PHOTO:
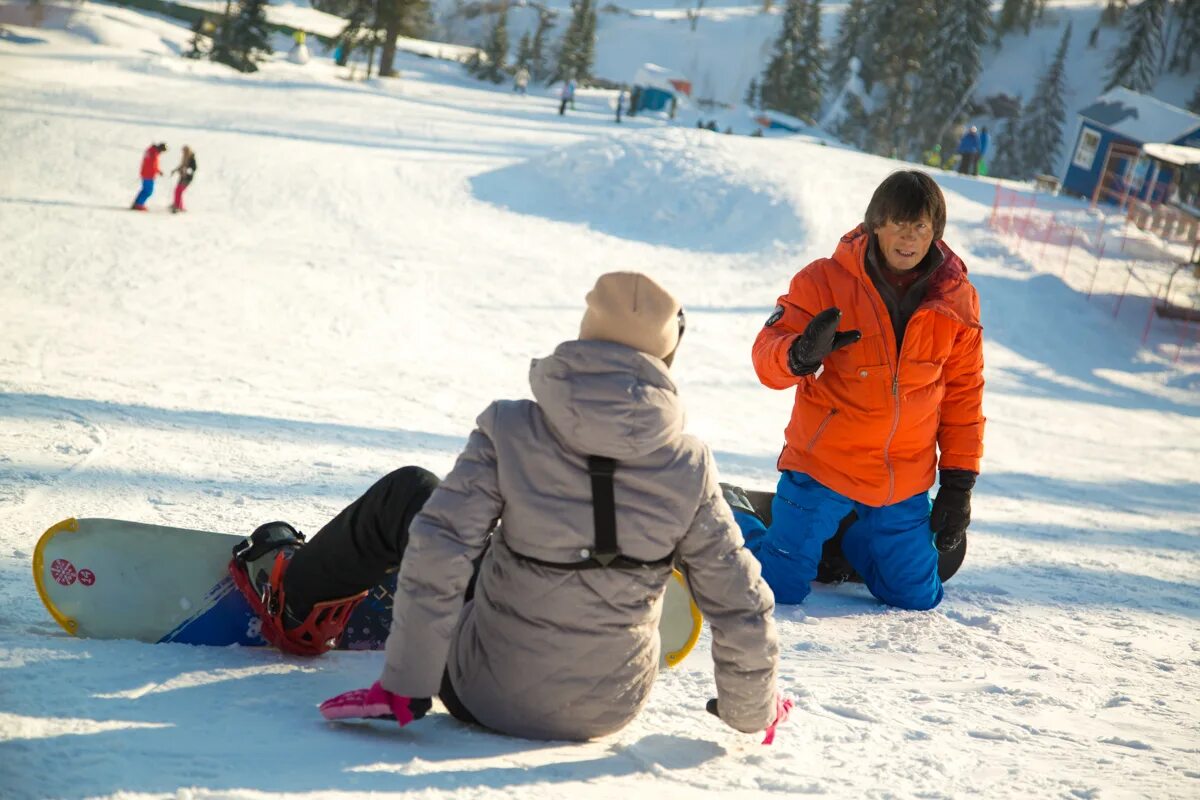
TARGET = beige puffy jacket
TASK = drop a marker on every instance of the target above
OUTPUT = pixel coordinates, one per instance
(548, 653)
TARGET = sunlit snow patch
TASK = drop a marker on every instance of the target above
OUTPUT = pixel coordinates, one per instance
(690, 189)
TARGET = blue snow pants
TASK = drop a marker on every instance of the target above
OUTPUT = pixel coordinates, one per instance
(144, 194)
(891, 547)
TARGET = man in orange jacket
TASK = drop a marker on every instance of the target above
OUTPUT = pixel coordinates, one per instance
(876, 402)
(150, 170)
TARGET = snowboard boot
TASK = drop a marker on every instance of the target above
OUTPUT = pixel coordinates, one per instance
(258, 567)
(737, 499)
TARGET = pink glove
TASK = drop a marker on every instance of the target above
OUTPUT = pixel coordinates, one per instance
(783, 705)
(375, 703)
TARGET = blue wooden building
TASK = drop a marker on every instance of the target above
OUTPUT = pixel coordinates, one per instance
(1106, 164)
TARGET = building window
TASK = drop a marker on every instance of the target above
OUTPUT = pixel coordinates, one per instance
(1085, 152)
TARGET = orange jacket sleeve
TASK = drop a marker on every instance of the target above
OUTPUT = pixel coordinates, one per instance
(960, 434)
(791, 316)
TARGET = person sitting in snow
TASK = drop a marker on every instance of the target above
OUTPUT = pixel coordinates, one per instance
(876, 400)
(530, 578)
(150, 171)
(186, 171)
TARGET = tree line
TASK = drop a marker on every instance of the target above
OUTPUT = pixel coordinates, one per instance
(901, 74)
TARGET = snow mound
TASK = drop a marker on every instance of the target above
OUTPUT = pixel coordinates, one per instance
(689, 189)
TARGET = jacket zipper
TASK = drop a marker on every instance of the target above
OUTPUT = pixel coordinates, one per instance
(887, 458)
(895, 367)
(820, 429)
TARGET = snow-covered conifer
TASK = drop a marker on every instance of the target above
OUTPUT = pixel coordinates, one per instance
(539, 68)
(950, 68)
(1139, 59)
(1186, 27)
(1042, 129)
(855, 122)
(577, 51)
(495, 50)
(849, 42)
(1009, 158)
(242, 40)
(898, 33)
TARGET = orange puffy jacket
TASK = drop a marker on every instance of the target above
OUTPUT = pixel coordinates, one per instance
(150, 168)
(866, 425)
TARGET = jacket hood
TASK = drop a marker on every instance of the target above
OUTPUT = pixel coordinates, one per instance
(606, 399)
(949, 291)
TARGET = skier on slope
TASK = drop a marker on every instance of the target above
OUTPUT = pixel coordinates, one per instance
(875, 403)
(530, 578)
(969, 151)
(150, 170)
(186, 172)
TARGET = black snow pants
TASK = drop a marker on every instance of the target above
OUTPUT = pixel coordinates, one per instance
(357, 548)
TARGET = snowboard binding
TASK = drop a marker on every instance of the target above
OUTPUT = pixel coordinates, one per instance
(258, 566)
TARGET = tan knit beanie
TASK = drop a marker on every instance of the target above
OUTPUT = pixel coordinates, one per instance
(631, 309)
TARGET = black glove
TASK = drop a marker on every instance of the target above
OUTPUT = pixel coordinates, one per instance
(819, 339)
(951, 512)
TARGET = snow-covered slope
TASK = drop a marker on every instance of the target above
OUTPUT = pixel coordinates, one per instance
(364, 267)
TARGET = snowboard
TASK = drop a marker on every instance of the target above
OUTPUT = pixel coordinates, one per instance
(834, 567)
(115, 579)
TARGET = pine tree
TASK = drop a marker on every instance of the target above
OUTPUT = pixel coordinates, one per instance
(1010, 16)
(806, 83)
(898, 32)
(524, 53)
(853, 127)
(587, 43)
(776, 77)
(1031, 11)
(753, 96)
(1042, 129)
(1187, 36)
(1139, 60)
(793, 80)
(577, 52)
(1009, 160)
(950, 69)
(1112, 12)
(241, 41)
(539, 70)
(495, 50)
(851, 28)
(1022, 13)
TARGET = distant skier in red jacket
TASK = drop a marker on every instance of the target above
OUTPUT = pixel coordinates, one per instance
(150, 171)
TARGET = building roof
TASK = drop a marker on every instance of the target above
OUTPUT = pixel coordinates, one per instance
(1140, 117)
(1175, 154)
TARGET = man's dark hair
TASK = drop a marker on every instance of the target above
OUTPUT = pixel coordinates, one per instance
(907, 196)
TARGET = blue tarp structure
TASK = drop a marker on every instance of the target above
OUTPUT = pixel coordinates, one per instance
(657, 88)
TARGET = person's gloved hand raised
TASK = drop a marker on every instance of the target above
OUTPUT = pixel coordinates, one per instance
(783, 706)
(951, 512)
(375, 703)
(820, 338)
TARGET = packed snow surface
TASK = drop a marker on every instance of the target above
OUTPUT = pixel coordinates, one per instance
(363, 267)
